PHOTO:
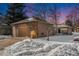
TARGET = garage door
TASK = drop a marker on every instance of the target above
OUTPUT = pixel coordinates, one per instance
(23, 31)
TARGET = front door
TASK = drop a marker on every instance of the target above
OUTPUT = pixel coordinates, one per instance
(59, 31)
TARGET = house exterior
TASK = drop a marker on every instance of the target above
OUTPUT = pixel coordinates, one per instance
(3, 29)
(64, 29)
(30, 26)
(76, 29)
(3, 26)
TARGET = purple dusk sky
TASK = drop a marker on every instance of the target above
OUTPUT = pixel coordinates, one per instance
(63, 8)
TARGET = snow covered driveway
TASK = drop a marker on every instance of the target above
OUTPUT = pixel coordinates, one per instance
(58, 38)
(62, 38)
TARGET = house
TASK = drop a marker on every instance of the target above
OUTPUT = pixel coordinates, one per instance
(31, 25)
(76, 29)
(63, 29)
(3, 29)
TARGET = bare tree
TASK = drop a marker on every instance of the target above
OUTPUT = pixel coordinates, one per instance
(40, 10)
(69, 21)
(74, 16)
(44, 11)
(54, 15)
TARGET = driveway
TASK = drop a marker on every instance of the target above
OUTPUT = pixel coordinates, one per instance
(60, 38)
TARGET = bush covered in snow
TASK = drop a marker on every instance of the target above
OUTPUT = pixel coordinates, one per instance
(34, 48)
(29, 48)
(65, 50)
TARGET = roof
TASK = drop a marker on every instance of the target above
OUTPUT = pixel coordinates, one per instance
(29, 20)
(62, 25)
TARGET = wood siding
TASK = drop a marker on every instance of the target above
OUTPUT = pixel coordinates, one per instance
(43, 28)
(24, 29)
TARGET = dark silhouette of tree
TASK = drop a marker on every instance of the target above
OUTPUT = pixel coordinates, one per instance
(74, 17)
(54, 14)
(15, 13)
(39, 10)
(69, 23)
(44, 11)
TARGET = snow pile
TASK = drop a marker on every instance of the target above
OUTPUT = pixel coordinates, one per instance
(65, 50)
(38, 48)
(29, 48)
(21, 46)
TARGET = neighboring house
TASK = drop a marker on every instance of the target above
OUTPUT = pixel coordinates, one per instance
(26, 27)
(64, 29)
(3, 28)
(76, 29)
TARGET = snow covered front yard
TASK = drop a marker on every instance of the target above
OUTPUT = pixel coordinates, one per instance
(61, 45)
(34, 48)
(30, 48)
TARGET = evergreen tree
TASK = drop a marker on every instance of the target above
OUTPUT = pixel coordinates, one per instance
(15, 13)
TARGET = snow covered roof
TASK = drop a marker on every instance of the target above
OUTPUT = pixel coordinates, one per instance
(29, 20)
(62, 25)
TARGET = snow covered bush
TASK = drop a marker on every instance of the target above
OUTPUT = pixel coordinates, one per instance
(39, 48)
(66, 50)
(29, 48)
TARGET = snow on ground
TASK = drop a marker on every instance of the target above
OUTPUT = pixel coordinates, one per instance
(60, 38)
(38, 47)
(62, 45)
(5, 37)
(30, 48)
(65, 50)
